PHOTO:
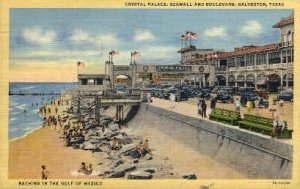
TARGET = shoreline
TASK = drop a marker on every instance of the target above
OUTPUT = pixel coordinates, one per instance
(45, 146)
(26, 134)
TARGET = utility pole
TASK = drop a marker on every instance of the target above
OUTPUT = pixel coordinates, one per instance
(97, 109)
(131, 69)
(78, 104)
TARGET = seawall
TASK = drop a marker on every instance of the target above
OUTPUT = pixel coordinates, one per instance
(251, 154)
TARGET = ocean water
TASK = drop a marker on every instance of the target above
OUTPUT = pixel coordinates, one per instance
(23, 110)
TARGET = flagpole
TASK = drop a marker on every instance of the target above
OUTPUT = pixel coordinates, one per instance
(77, 72)
(131, 68)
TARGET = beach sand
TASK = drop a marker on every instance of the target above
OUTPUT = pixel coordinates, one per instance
(45, 147)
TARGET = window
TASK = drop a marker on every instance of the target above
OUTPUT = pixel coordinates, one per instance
(289, 55)
(261, 58)
(249, 59)
(240, 61)
(274, 57)
(231, 62)
(283, 56)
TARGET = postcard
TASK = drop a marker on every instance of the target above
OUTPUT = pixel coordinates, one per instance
(149, 94)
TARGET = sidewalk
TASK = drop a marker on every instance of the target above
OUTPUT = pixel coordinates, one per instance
(189, 108)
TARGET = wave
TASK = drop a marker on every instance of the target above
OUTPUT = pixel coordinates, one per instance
(26, 134)
(29, 87)
(12, 118)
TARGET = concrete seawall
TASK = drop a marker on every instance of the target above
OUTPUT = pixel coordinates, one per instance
(252, 155)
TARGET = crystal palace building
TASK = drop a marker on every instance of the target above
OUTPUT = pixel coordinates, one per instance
(268, 67)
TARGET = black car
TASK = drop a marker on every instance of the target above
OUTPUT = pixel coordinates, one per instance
(251, 96)
(285, 96)
(183, 95)
(203, 94)
(224, 97)
(263, 103)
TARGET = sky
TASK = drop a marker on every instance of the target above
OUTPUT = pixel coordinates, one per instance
(46, 44)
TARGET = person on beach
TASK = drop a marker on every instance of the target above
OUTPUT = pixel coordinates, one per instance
(89, 169)
(56, 110)
(114, 144)
(119, 145)
(146, 147)
(44, 121)
(45, 172)
(139, 149)
(83, 168)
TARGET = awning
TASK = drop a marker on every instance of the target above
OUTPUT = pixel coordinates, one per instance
(260, 82)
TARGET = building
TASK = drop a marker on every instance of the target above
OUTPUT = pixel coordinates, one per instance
(269, 66)
(92, 79)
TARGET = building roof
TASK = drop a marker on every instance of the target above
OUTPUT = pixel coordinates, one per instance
(187, 49)
(284, 22)
(249, 49)
(91, 76)
(237, 52)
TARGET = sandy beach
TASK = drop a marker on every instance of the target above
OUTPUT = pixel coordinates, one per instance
(45, 147)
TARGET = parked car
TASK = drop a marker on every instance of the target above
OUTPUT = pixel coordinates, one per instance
(224, 97)
(203, 94)
(285, 96)
(263, 93)
(263, 103)
(251, 96)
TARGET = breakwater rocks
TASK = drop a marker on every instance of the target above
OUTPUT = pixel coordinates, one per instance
(118, 152)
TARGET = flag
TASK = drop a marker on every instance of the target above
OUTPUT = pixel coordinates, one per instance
(80, 65)
(135, 54)
(114, 53)
(194, 35)
(191, 35)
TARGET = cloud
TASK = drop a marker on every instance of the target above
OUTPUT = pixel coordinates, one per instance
(107, 40)
(79, 36)
(251, 29)
(143, 36)
(37, 36)
(215, 32)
